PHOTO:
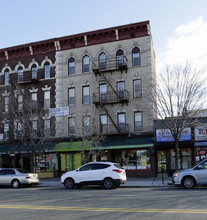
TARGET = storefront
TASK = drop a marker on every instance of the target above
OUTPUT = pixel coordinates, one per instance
(136, 155)
(200, 143)
(165, 151)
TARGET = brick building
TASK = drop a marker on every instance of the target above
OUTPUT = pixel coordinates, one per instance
(105, 77)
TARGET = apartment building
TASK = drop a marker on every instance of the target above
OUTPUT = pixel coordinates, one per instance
(104, 79)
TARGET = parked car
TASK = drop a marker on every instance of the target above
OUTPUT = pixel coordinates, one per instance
(108, 174)
(17, 177)
(191, 177)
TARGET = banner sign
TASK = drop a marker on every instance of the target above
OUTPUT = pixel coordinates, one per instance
(201, 133)
(59, 111)
(164, 135)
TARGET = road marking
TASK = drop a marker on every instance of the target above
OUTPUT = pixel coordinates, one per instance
(97, 209)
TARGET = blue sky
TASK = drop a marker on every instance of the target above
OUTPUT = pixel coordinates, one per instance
(176, 25)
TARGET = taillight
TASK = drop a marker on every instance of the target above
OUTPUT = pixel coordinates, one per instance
(27, 177)
(118, 171)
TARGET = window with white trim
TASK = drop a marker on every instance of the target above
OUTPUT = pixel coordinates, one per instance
(137, 88)
(46, 99)
(86, 94)
(138, 121)
(71, 96)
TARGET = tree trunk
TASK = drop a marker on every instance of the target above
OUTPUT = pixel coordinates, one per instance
(176, 155)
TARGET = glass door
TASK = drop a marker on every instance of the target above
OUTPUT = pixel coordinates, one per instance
(161, 161)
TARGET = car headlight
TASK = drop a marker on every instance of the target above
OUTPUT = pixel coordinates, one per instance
(176, 174)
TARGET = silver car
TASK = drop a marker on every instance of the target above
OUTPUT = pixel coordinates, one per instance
(191, 177)
(17, 177)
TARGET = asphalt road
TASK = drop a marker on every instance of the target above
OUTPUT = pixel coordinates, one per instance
(97, 203)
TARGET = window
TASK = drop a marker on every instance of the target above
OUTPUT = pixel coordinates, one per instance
(34, 100)
(34, 72)
(86, 124)
(20, 102)
(6, 77)
(34, 128)
(47, 128)
(120, 89)
(120, 57)
(86, 167)
(71, 95)
(86, 94)
(19, 130)
(47, 70)
(137, 88)
(103, 124)
(136, 57)
(86, 62)
(96, 166)
(134, 159)
(103, 91)
(47, 99)
(6, 131)
(71, 128)
(138, 121)
(122, 122)
(71, 66)
(20, 74)
(6, 103)
(102, 61)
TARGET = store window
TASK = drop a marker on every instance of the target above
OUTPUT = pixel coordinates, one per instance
(201, 154)
(134, 159)
(46, 163)
(184, 158)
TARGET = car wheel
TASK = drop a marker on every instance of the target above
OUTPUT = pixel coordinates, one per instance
(69, 183)
(15, 184)
(188, 182)
(108, 183)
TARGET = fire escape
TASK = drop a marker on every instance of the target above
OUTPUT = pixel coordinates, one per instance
(103, 69)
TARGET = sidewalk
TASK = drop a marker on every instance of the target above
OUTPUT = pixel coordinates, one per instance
(131, 182)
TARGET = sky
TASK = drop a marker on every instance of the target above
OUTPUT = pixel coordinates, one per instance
(179, 27)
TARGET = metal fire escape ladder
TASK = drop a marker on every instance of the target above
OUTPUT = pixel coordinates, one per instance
(102, 74)
(103, 107)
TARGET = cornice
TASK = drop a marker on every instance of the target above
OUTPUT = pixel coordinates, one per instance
(118, 33)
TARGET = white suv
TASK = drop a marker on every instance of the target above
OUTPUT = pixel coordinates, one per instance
(108, 174)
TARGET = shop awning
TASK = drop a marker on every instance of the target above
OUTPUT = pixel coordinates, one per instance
(7, 149)
(71, 146)
(126, 143)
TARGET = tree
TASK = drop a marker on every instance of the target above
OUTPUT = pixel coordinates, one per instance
(179, 95)
(88, 137)
(28, 120)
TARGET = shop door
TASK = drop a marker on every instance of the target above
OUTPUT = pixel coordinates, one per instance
(162, 161)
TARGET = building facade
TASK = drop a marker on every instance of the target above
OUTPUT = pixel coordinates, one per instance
(104, 79)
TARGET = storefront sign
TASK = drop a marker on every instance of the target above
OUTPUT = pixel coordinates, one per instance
(164, 135)
(201, 133)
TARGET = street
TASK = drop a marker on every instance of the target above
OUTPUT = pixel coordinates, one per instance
(97, 203)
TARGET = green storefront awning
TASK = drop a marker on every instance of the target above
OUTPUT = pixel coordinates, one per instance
(126, 143)
(71, 146)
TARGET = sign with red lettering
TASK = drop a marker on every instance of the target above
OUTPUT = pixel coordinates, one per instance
(201, 133)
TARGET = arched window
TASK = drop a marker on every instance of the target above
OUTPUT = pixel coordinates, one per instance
(6, 77)
(136, 61)
(102, 61)
(120, 57)
(34, 71)
(71, 66)
(47, 70)
(20, 74)
(86, 62)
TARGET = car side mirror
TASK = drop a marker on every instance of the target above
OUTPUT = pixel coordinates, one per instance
(199, 167)
(77, 170)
